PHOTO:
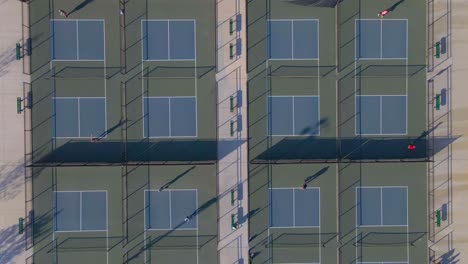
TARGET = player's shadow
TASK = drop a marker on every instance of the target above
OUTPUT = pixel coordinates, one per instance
(169, 183)
(394, 6)
(80, 6)
(316, 175)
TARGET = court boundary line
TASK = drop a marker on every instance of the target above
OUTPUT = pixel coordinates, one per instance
(147, 90)
(357, 38)
(104, 133)
(294, 209)
(145, 230)
(170, 123)
(170, 209)
(51, 33)
(319, 227)
(292, 39)
(380, 116)
(54, 231)
(168, 38)
(406, 187)
(293, 112)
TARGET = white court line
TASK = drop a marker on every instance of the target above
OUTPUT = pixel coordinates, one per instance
(107, 230)
(380, 99)
(81, 19)
(381, 115)
(320, 227)
(77, 38)
(319, 78)
(54, 98)
(196, 216)
(169, 59)
(196, 81)
(292, 40)
(145, 205)
(168, 38)
(170, 209)
(77, 42)
(381, 38)
(381, 204)
(407, 227)
(168, 41)
(170, 123)
(357, 223)
(143, 39)
(81, 210)
(379, 59)
(81, 215)
(79, 117)
(293, 114)
(80, 231)
(294, 209)
(105, 86)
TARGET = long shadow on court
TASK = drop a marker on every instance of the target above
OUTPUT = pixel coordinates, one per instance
(314, 149)
(158, 152)
(80, 6)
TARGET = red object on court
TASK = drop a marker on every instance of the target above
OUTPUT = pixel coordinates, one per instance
(383, 13)
(411, 147)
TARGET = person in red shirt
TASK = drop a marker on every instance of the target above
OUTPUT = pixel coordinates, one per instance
(383, 13)
(411, 146)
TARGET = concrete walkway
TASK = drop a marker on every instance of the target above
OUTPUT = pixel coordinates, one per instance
(12, 246)
(460, 128)
(232, 133)
(451, 240)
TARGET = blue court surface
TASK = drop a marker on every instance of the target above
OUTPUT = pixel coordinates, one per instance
(170, 116)
(80, 211)
(293, 39)
(164, 40)
(290, 207)
(381, 39)
(382, 206)
(79, 117)
(74, 40)
(167, 209)
(293, 115)
(381, 114)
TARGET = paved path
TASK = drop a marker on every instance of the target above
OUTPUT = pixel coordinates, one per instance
(11, 136)
(453, 240)
(232, 146)
(460, 127)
